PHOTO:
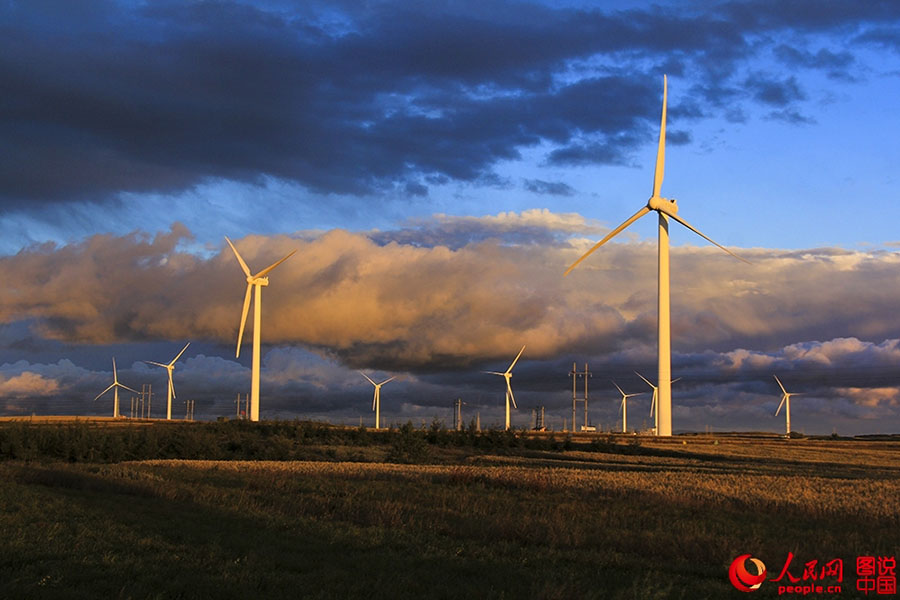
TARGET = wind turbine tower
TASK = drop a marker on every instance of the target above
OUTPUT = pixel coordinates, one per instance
(257, 283)
(666, 209)
(786, 402)
(654, 404)
(169, 367)
(508, 375)
(376, 399)
(115, 385)
(624, 407)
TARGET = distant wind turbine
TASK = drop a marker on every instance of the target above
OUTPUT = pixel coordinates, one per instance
(257, 282)
(169, 367)
(624, 406)
(786, 402)
(115, 385)
(508, 375)
(376, 399)
(654, 405)
(665, 208)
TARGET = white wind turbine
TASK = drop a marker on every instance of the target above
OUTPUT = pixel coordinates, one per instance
(115, 385)
(665, 208)
(786, 402)
(376, 399)
(654, 405)
(624, 406)
(257, 282)
(507, 375)
(169, 367)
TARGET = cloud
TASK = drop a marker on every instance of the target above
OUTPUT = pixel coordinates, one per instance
(553, 188)
(27, 384)
(368, 99)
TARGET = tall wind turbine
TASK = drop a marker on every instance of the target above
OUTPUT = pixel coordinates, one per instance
(508, 375)
(257, 282)
(665, 208)
(115, 385)
(786, 402)
(169, 367)
(654, 405)
(625, 398)
(376, 399)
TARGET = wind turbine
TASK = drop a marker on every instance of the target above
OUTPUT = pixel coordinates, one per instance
(115, 385)
(507, 375)
(654, 405)
(376, 399)
(169, 367)
(665, 208)
(786, 402)
(625, 398)
(257, 282)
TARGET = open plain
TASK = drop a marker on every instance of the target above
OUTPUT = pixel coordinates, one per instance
(300, 510)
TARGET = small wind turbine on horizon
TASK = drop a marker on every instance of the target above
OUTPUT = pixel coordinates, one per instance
(624, 405)
(786, 402)
(376, 399)
(665, 208)
(256, 282)
(115, 385)
(508, 375)
(654, 405)
(169, 367)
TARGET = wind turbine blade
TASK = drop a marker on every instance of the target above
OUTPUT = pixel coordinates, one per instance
(125, 387)
(387, 380)
(509, 370)
(494, 373)
(150, 362)
(171, 385)
(645, 379)
(511, 397)
(111, 386)
(374, 398)
(268, 269)
(180, 353)
(777, 410)
(707, 238)
(243, 319)
(617, 387)
(367, 377)
(244, 266)
(676, 379)
(661, 150)
(644, 210)
(783, 391)
(115, 375)
(653, 402)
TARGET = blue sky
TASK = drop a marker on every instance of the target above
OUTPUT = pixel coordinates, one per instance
(427, 141)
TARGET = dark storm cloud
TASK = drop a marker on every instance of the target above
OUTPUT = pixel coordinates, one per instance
(352, 98)
(836, 64)
(552, 188)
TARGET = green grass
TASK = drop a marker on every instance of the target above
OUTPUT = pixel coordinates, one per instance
(654, 521)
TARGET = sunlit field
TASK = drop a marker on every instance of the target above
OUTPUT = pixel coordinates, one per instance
(425, 514)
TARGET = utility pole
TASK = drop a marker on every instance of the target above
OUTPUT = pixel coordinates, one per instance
(146, 396)
(586, 374)
(574, 375)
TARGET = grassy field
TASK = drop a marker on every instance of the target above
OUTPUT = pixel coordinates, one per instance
(615, 519)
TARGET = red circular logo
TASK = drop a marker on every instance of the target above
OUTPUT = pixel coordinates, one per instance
(741, 578)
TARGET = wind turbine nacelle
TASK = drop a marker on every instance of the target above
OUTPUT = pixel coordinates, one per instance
(663, 205)
(262, 281)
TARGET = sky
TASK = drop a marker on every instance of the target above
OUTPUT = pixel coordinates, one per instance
(437, 166)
